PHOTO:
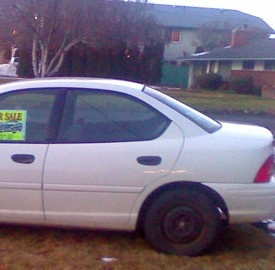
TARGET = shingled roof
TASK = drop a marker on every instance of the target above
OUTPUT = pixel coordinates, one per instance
(259, 50)
(194, 17)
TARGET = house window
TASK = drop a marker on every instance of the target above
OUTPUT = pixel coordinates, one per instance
(248, 64)
(269, 65)
(175, 36)
(172, 35)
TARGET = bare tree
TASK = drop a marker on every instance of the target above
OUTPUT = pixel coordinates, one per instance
(49, 29)
(129, 22)
(52, 27)
(7, 27)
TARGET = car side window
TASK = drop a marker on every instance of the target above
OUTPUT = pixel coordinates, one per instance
(104, 116)
(25, 115)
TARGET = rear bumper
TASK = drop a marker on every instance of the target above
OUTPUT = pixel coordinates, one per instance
(248, 203)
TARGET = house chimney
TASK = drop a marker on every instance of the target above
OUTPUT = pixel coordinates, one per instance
(239, 37)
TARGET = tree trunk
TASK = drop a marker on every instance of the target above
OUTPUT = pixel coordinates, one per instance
(34, 56)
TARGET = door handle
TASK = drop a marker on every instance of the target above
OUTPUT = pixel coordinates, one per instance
(23, 158)
(149, 160)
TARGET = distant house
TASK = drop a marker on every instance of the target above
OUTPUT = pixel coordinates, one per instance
(181, 26)
(241, 59)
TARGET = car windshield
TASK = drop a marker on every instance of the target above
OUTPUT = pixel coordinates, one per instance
(208, 124)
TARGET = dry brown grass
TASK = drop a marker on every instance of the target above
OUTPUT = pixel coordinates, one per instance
(242, 247)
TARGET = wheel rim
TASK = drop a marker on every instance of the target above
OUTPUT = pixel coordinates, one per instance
(182, 224)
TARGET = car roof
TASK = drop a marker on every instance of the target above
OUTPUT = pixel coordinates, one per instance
(73, 82)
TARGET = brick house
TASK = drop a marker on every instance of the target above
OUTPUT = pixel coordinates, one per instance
(242, 58)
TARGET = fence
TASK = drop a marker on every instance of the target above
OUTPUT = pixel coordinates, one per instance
(175, 76)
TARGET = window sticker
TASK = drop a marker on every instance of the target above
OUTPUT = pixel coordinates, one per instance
(13, 125)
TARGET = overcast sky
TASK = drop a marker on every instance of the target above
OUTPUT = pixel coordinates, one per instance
(263, 9)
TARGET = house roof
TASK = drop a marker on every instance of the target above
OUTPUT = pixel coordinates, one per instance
(259, 50)
(184, 17)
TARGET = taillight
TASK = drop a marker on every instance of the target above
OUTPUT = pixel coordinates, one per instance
(266, 171)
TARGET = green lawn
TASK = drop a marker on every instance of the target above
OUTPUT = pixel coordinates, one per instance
(215, 100)
(224, 101)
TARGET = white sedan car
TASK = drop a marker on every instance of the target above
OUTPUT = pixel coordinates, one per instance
(117, 155)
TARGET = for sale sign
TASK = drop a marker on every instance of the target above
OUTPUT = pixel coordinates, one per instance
(13, 125)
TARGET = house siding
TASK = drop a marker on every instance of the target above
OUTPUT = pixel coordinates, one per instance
(187, 45)
(224, 69)
(196, 70)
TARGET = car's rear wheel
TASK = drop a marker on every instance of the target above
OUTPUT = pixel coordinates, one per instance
(184, 222)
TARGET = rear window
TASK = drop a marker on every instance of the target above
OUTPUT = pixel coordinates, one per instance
(208, 124)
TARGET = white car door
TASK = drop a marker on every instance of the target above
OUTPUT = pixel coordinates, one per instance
(21, 169)
(110, 147)
(23, 148)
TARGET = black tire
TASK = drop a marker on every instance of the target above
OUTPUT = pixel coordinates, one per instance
(183, 222)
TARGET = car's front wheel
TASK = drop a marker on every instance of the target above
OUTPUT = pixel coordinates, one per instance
(184, 222)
